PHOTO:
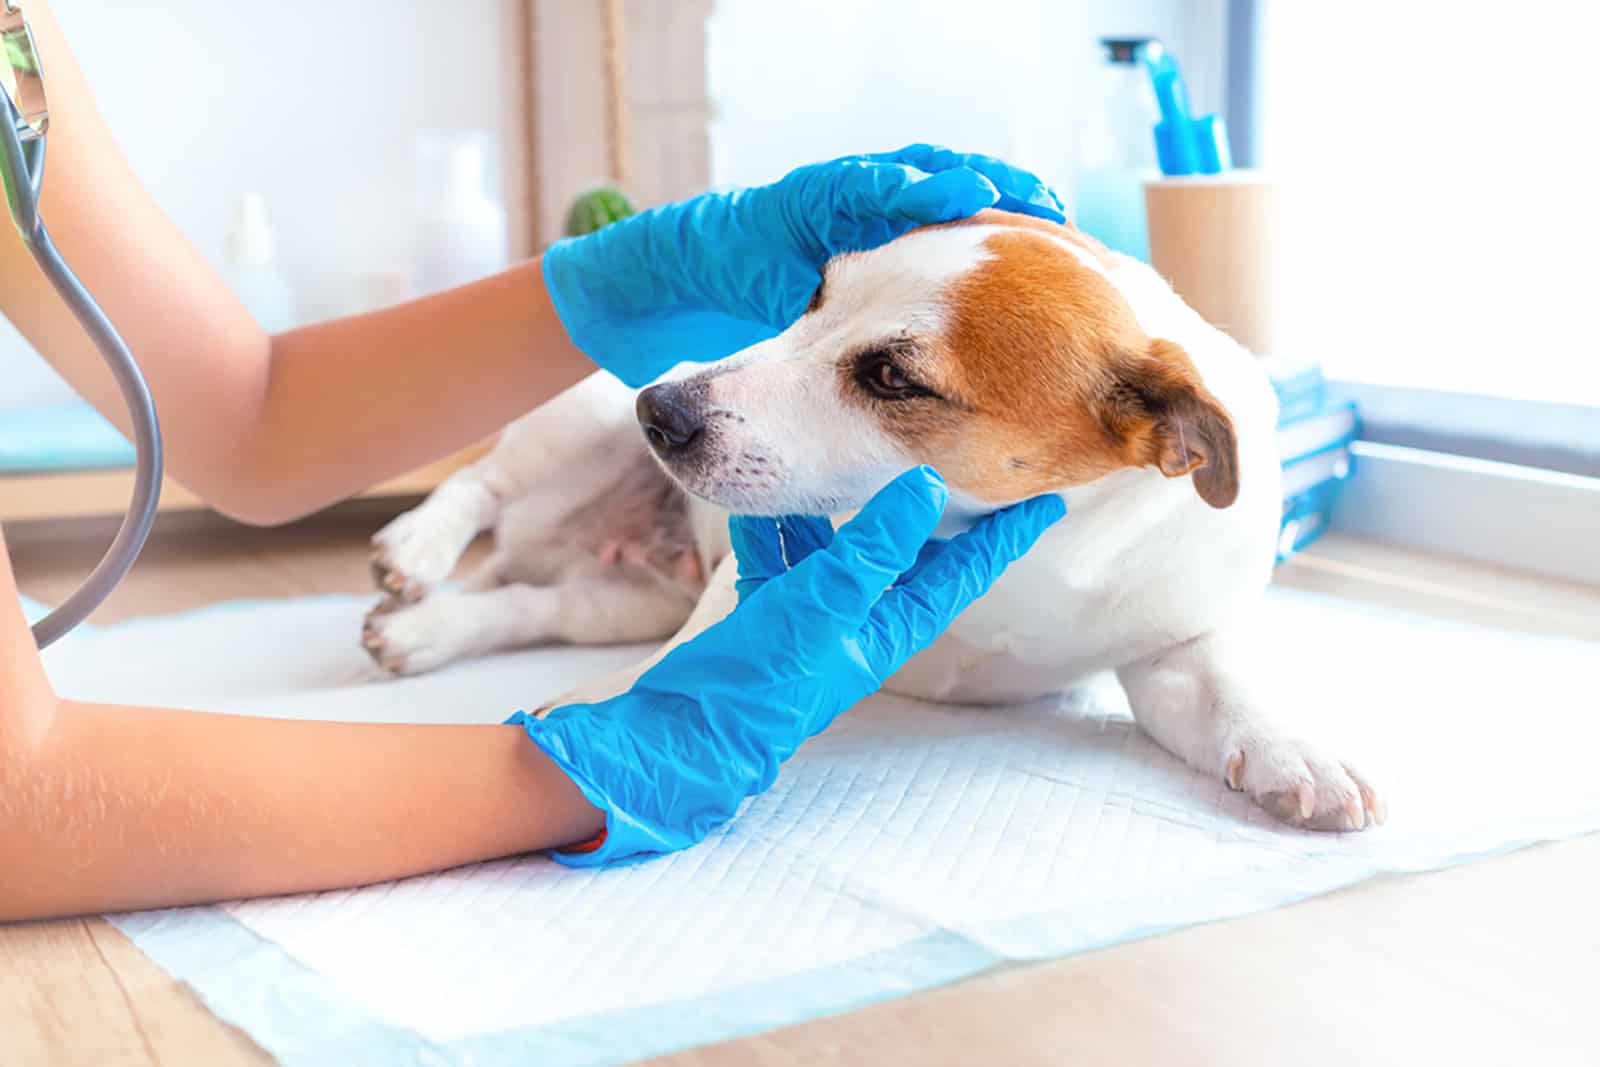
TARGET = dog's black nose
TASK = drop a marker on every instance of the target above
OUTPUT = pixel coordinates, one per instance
(671, 419)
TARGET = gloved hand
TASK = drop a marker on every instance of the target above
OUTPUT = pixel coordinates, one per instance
(703, 278)
(672, 758)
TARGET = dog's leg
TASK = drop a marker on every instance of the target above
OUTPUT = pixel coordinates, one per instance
(1193, 700)
(715, 603)
(584, 429)
(415, 638)
(420, 549)
(487, 575)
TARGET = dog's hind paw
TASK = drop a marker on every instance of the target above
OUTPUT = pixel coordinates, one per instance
(1301, 786)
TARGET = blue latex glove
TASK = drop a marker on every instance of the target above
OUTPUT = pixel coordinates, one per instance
(703, 278)
(672, 758)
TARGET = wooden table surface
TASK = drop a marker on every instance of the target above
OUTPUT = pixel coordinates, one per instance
(1495, 962)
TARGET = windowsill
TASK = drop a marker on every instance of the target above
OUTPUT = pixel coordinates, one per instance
(1434, 584)
(1549, 436)
(1517, 518)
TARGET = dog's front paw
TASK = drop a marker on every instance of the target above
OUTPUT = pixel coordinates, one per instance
(413, 554)
(1300, 785)
(414, 638)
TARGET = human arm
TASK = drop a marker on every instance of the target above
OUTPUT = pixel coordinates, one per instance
(106, 808)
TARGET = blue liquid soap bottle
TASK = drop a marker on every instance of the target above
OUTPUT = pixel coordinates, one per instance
(1185, 144)
(1115, 151)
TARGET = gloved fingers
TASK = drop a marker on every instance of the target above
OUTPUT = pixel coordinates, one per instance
(928, 157)
(930, 552)
(872, 550)
(994, 543)
(865, 204)
(858, 203)
(803, 535)
(1019, 190)
(913, 614)
(945, 196)
(758, 547)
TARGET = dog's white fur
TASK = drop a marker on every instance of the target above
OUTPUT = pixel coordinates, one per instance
(1143, 578)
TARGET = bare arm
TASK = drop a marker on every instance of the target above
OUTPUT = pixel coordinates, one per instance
(106, 808)
(265, 427)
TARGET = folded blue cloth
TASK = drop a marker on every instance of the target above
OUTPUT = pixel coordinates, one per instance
(60, 437)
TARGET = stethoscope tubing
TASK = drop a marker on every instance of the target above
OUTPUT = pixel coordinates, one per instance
(22, 166)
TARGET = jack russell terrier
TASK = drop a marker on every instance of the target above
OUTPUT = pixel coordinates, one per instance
(1017, 357)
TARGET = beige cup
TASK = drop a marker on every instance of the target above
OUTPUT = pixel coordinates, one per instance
(1214, 237)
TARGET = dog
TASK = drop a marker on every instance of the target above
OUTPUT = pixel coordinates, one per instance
(1014, 355)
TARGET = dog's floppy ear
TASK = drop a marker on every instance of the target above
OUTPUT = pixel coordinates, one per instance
(1166, 419)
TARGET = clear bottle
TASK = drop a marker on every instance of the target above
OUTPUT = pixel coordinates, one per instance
(1116, 151)
(250, 266)
(462, 232)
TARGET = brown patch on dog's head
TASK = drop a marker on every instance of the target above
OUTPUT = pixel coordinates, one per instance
(1064, 231)
(1044, 380)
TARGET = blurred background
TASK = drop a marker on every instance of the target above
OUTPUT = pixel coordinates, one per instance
(1420, 126)
(1419, 225)
(319, 105)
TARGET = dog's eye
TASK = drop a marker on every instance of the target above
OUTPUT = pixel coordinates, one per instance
(888, 379)
(880, 376)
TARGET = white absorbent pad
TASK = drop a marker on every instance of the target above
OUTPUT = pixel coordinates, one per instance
(910, 845)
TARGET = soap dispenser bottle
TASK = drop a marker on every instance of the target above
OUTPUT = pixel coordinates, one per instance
(462, 234)
(250, 267)
(1116, 152)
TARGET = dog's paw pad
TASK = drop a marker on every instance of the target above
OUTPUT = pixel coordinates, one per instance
(1302, 787)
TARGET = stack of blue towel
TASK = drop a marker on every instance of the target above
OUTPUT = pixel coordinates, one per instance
(60, 437)
(1315, 431)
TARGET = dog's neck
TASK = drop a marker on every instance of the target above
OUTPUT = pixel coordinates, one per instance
(963, 512)
(1108, 512)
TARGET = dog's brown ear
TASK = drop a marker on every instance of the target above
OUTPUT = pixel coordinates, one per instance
(1167, 419)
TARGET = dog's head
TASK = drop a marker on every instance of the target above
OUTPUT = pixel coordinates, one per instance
(995, 350)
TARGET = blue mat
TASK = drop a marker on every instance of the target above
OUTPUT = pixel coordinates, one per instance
(60, 437)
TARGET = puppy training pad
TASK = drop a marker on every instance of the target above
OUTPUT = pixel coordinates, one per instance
(909, 846)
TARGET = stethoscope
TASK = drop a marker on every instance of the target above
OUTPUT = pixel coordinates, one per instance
(22, 141)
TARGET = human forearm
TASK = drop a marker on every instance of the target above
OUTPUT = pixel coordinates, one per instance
(105, 808)
(265, 428)
(353, 401)
(121, 808)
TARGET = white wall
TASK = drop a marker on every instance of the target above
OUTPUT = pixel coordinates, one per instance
(1440, 218)
(316, 103)
(812, 79)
